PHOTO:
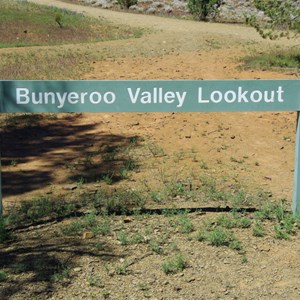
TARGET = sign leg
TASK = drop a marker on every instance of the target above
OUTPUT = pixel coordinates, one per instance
(1, 205)
(296, 198)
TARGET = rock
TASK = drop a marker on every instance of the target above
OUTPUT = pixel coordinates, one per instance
(87, 235)
(70, 187)
(127, 220)
(77, 269)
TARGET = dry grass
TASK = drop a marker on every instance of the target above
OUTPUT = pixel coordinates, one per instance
(26, 24)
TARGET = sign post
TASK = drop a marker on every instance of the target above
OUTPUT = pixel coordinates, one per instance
(296, 197)
(155, 96)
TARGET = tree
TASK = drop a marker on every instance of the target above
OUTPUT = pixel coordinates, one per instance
(202, 9)
(282, 18)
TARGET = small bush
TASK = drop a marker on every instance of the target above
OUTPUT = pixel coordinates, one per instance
(43, 207)
(258, 229)
(279, 59)
(102, 227)
(4, 232)
(203, 9)
(174, 265)
(72, 229)
(118, 202)
(3, 276)
(127, 3)
(59, 19)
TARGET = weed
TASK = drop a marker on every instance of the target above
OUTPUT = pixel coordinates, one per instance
(244, 260)
(124, 173)
(118, 202)
(99, 246)
(130, 164)
(80, 182)
(220, 237)
(156, 150)
(63, 273)
(5, 234)
(105, 293)
(156, 247)
(236, 245)
(178, 156)
(102, 227)
(275, 59)
(108, 178)
(88, 160)
(3, 276)
(174, 265)
(143, 286)
(59, 19)
(122, 269)
(233, 221)
(157, 196)
(122, 201)
(72, 229)
(240, 199)
(201, 236)
(138, 239)
(281, 233)
(178, 188)
(203, 165)
(258, 229)
(209, 187)
(42, 207)
(236, 160)
(90, 220)
(266, 212)
(95, 280)
(185, 223)
(123, 238)
(13, 163)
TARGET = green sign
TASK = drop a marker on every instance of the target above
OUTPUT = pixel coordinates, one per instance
(156, 96)
(150, 96)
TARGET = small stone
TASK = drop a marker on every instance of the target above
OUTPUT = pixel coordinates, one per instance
(70, 187)
(87, 235)
(77, 269)
(264, 248)
(134, 124)
(127, 220)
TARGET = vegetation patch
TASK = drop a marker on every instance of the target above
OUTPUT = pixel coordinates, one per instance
(274, 60)
(26, 24)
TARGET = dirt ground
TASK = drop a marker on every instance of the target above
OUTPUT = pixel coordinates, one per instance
(254, 150)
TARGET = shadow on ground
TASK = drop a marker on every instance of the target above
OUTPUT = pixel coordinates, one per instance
(43, 264)
(53, 144)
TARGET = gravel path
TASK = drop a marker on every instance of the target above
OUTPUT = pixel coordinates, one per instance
(185, 31)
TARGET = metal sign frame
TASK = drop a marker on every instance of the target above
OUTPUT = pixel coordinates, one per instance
(155, 96)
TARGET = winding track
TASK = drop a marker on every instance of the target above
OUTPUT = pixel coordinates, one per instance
(181, 34)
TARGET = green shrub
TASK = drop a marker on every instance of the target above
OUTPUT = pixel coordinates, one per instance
(4, 232)
(175, 264)
(203, 9)
(3, 276)
(127, 3)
